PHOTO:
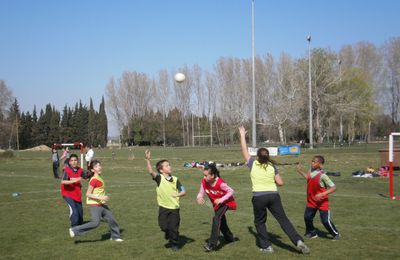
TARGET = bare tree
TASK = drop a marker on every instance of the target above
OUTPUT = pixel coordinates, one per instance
(162, 95)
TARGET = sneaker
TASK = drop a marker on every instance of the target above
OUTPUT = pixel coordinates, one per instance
(71, 233)
(117, 239)
(337, 237)
(208, 247)
(311, 235)
(268, 250)
(302, 247)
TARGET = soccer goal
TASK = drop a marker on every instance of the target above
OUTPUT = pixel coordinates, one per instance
(391, 179)
(75, 145)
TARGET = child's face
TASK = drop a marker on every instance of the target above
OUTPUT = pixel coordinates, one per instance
(73, 162)
(97, 168)
(166, 168)
(315, 164)
(208, 177)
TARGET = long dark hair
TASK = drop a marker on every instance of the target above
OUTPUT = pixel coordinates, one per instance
(263, 157)
(90, 168)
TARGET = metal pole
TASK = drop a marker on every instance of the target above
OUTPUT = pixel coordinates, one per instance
(254, 142)
(309, 92)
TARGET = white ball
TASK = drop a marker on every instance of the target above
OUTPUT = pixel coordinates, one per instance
(179, 77)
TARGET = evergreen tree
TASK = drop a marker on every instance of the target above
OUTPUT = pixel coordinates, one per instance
(92, 125)
(102, 127)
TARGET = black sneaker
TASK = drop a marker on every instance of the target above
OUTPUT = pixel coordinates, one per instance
(208, 247)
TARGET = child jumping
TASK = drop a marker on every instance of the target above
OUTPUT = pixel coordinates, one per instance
(319, 186)
(96, 198)
(169, 190)
(220, 194)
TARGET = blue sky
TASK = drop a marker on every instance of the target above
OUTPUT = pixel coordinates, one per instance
(59, 51)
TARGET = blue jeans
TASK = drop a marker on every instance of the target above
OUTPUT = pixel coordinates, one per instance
(75, 211)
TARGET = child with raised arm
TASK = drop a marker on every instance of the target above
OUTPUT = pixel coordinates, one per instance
(97, 199)
(169, 190)
(265, 179)
(221, 197)
(319, 186)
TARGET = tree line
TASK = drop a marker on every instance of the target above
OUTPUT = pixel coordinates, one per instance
(21, 130)
(355, 96)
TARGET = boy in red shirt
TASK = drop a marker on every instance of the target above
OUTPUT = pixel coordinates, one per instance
(220, 194)
(319, 186)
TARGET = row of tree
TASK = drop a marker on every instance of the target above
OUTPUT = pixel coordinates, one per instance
(355, 95)
(20, 130)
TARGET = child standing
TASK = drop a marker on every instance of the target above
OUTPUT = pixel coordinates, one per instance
(169, 190)
(96, 198)
(220, 194)
(319, 186)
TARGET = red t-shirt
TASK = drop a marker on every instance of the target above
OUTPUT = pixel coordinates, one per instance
(215, 192)
(73, 190)
(313, 188)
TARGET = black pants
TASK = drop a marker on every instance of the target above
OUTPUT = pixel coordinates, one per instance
(55, 169)
(168, 220)
(273, 203)
(219, 224)
(309, 215)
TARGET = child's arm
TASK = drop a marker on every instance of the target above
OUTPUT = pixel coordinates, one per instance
(325, 193)
(147, 155)
(229, 192)
(200, 196)
(89, 194)
(181, 189)
(243, 144)
(300, 171)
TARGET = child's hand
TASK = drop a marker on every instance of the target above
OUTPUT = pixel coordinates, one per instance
(299, 167)
(319, 196)
(217, 201)
(175, 195)
(105, 198)
(242, 131)
(200, 201)
(147, 154)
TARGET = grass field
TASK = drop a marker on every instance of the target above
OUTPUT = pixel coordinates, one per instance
(35, 224)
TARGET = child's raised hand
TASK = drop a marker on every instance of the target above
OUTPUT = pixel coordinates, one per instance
(242, 130)
(200, 201)
(147, 154)
(299, 167)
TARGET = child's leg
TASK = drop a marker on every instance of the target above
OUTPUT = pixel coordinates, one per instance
(260, 217)
(309, 215)
(112, 223)
(216, 225)
(173, 226)
(326, 221)
(228, 236)
(163, 220)
(276, 208)
(96, 213)
(75, 211)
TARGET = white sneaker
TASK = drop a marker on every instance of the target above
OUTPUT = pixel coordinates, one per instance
(71, 233)
(117, 239)
(268, 250)
(302, 247)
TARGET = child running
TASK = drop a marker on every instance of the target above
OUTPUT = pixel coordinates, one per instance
(96, 198)
(319, 186)
(169, 190)
(220, 194)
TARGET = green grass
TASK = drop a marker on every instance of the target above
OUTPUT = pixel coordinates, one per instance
(35, 224)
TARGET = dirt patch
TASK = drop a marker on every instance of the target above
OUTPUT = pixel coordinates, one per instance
(40, 148)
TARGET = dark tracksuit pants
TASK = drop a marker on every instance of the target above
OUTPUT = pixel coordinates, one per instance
(55, 169)
(219, 224)
(272, 202)
(169, 220)
(309, 215)
(75, 211)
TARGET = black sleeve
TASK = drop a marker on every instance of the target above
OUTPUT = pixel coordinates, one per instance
(157, 179)
(65, 176)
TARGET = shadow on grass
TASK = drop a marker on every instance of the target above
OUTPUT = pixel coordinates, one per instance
(183, 240)
(223, 242)
(274, 240)
(104, 237)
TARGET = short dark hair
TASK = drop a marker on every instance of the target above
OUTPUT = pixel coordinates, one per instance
(320, 159)
(159, 165)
